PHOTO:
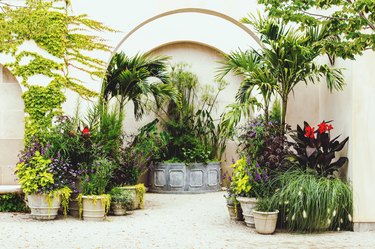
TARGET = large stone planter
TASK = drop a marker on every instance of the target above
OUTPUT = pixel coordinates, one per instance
(178, 178)
(93, 208)
(265, 222)
(247, 205)
(43, 209)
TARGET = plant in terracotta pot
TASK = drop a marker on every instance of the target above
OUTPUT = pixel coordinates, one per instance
(121, 201)
(94, 203)
(40, 179)
(265, 216)
(188, 137)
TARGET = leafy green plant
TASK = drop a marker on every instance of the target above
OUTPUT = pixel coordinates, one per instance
(341, 40)
(97, 176)
(315, 150)
(249, 179)
(123, 197)
(130, 79)
(12, 203)
(34, 175)
(311, 203)
(264, 204)
(138, 155)
(190, 133)
(287, 58)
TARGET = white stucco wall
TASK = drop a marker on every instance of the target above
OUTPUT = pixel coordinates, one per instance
(213, 23)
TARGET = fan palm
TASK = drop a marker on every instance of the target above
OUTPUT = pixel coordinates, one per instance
(137, 79)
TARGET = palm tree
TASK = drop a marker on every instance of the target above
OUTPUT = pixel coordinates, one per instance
(286, 59)
(256, 75)
(136, 79)
(289, 54)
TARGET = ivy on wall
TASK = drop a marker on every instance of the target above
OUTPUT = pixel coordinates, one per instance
(67, 38)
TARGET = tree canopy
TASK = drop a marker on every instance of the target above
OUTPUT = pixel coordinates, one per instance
(350, 23)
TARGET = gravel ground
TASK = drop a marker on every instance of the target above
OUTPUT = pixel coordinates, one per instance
(168, 221)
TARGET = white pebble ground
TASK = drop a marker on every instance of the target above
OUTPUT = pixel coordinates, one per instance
(168, 221)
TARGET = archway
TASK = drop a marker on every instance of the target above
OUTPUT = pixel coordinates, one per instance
(11, 125)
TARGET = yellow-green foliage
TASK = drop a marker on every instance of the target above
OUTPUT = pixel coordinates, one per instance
(34, 174)
(53, 28)
(240, 180)
(105, 200)
(140, 191)
(42, 104)
(65, 193)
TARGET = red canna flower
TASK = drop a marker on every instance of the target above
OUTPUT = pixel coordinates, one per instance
(85, 132)
(322, 127)
(309, 132)
(329, 127)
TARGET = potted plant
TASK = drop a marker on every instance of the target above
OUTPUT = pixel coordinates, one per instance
(40, 181)
(121, 201)
(249, 182)
(234, 207)
(190, 146)
(94, 203)
(265, 216)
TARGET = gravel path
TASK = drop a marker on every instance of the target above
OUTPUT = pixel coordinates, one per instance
(168, 221)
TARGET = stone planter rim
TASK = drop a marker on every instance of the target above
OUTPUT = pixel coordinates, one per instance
(266, 213)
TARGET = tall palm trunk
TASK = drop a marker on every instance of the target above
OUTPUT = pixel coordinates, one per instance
(284, 106)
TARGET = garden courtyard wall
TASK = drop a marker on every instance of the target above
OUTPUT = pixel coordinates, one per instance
(197, 32)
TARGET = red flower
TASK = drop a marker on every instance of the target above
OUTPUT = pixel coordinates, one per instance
(309, 132)
(322, 127)
(329, 127)
(71, 134)
(85, 132)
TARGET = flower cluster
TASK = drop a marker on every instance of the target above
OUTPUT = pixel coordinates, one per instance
(65, 173)
(323, 127)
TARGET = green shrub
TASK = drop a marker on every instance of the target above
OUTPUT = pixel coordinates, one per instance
(123, 197)
(310, 203)
(12, 203)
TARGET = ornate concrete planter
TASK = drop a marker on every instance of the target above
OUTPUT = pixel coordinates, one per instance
(41, 208)
(94, 207)
(178, 178)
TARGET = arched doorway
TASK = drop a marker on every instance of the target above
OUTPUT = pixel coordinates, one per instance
(11, 125)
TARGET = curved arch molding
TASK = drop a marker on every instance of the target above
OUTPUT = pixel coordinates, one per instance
(189, 10)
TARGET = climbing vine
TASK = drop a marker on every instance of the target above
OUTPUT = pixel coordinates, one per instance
(67, 38)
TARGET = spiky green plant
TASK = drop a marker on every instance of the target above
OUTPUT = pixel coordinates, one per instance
(310, 203)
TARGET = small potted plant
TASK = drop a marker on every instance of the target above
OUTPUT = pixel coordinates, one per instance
(121, 201)
(234, 207)
(265, 216)
(249, 182)
(94, 203)
(41, 183)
